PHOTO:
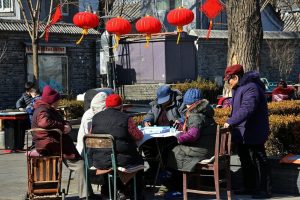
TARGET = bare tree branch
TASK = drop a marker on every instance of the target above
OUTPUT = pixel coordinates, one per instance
(31, 11)
(25, 18)
(37, 17)
(282, 56)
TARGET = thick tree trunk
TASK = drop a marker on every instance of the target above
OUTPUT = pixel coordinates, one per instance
(244, 33)
(35, 62)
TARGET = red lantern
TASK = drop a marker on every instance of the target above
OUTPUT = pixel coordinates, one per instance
(85, 20)
(211, 8)
(118, 26)
(180, 17)
(148, 25)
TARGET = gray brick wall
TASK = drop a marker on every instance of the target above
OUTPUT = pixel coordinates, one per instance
(212, 59)
(81, 64)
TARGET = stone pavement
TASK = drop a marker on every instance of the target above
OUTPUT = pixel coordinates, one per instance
(13, 181)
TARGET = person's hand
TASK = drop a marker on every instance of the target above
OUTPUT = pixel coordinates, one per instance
(226, 125)
(176, 123)
(147, 124)
(21, 109)
(67, 128)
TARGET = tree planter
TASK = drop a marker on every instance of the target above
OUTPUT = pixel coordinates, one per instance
(285, 177)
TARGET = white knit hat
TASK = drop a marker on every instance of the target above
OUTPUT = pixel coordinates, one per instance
(98, 102)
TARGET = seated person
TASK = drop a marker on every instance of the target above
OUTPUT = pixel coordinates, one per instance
(282, 92)
(36, 95)
(196, 142)
(97, 105)
(113, 121)
(26, 98)
(46, 116)
(224, 102)
(166, 110)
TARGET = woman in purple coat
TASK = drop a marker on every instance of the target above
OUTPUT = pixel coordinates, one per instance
(195, 143)
(250, 128)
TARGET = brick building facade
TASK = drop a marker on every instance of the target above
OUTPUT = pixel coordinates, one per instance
(78, 62)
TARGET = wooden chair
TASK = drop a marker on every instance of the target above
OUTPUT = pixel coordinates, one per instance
(220, 162)
(44, 172)
(106, 141)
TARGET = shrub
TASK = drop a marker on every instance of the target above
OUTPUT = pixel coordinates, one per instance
(284, 108)
(284, 135)
(275, 108)
(73, 109)
(209, 89)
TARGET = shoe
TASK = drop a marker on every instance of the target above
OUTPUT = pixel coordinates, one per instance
(244, 192)
(261, 195)
(162, 191)
(121, 195)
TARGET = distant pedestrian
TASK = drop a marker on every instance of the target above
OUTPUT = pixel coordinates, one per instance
(250, 127)
(282, 92)
(26, 98)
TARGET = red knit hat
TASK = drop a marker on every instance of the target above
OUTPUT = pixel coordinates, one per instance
(50, 95)
(233, 70)
(113, 100)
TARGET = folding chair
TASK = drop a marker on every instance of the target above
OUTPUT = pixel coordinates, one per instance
(106, 141)
(220, 162)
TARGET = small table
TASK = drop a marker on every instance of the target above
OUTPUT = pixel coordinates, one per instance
(15, 123)
(148, 136)
(155, 133)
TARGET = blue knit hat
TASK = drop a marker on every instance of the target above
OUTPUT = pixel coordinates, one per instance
(191, 96)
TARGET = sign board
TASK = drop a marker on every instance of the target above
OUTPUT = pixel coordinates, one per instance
(47, 50)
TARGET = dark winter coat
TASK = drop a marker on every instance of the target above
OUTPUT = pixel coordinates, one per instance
(48, 143)
(281, 93)
(24, 101)
(115, 123)
(185, 156)
(249, 116)
(174, 112)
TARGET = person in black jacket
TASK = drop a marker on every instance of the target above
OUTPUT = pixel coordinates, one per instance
(122, 127)
(26, 98)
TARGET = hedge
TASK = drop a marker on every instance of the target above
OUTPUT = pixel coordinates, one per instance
(284, 129)
(209, 89)
(73, 109)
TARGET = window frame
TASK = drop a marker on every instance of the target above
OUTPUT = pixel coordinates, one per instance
(65, 88)
(7, 10)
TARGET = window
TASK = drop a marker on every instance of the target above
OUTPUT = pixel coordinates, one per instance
(6, 6)
(166, 5)
(53, 71)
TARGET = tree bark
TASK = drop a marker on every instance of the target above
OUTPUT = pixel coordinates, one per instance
(245, 33)
(35, 62)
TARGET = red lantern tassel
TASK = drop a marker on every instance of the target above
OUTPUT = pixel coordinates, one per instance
(209, 29)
